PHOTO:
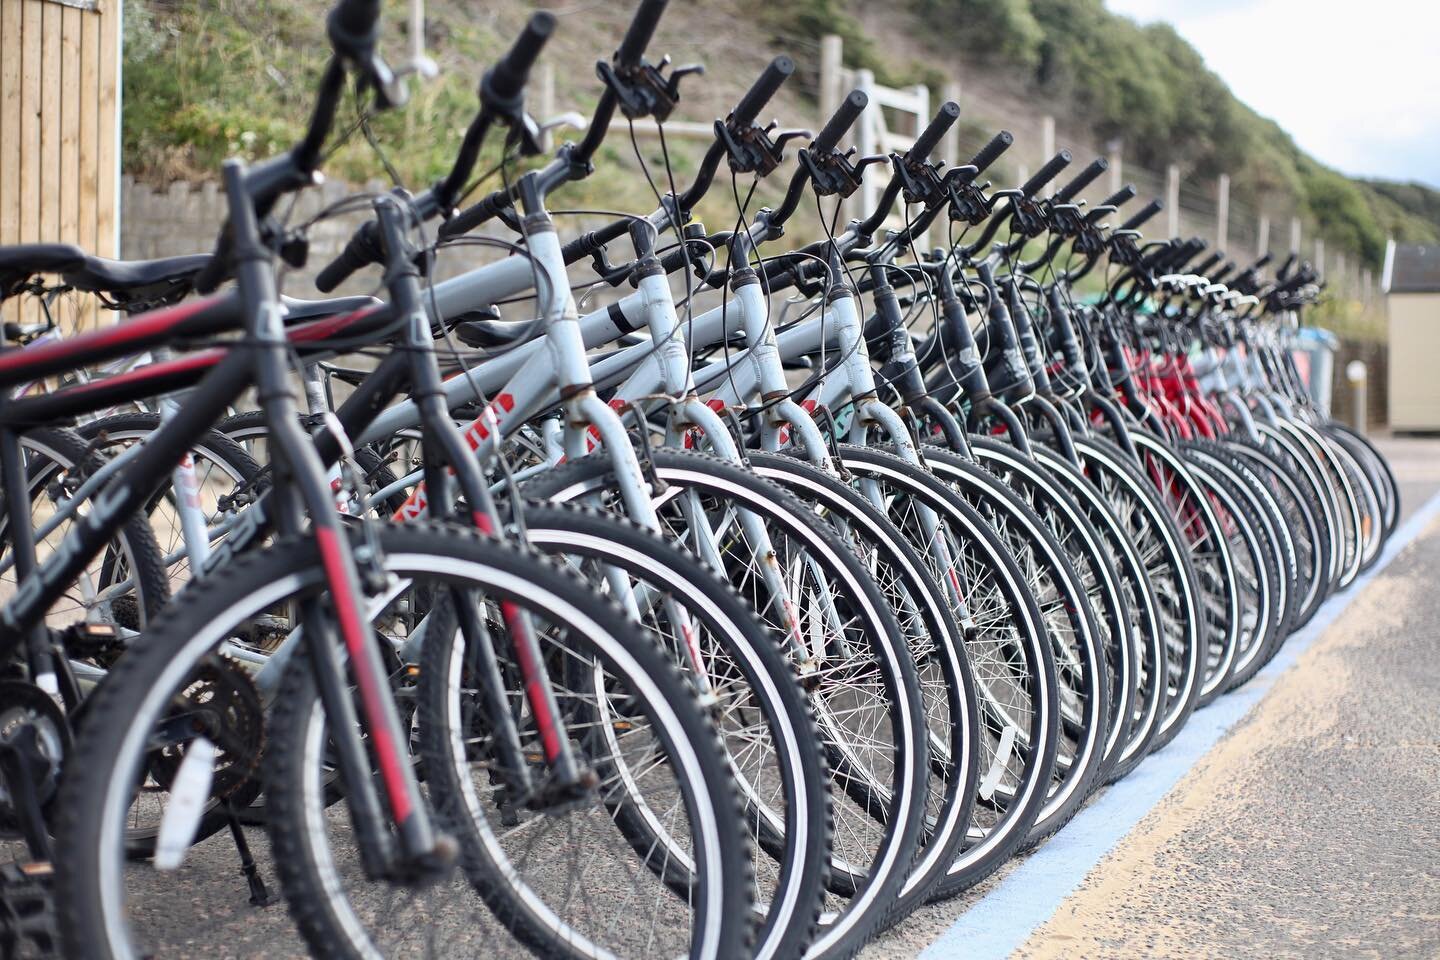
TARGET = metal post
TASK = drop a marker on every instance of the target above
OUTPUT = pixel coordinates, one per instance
(1222, 212)
(1172, 201)
(1357, 374)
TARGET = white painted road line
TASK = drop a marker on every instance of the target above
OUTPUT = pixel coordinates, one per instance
(997, 924)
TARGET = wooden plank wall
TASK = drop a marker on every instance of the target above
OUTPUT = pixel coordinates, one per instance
(59, 180)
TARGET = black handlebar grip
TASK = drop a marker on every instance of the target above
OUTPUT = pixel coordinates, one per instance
(487, 208)
(1189, 251)
(507, 78)
(1082, 180)
(357, 17)
(1203, 267)
(1046, 173)
(1120, 197)
(1143, 214)
(642, 28)
(359, 252)
(991, 151)
(762, 90)
(1285, 267)
(338, 270)
(930, 137)
(840, 122)
(1265, 258)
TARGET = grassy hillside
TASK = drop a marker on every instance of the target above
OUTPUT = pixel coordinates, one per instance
(205, 79)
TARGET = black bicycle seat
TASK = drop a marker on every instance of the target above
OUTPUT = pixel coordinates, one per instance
(134, 279)
(485, 330)
(22, 261)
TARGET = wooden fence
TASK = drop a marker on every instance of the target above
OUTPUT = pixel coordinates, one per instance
(59, 125)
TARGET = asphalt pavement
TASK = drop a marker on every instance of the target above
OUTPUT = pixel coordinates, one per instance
(1311, 827)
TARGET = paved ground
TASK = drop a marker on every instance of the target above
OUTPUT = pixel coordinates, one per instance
(1312, 829)
(1416, 462)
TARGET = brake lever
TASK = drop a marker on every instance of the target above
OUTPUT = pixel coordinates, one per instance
(643, 90)
(572, 119)
(752, 149)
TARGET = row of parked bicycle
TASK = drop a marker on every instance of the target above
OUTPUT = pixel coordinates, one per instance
(800, 584)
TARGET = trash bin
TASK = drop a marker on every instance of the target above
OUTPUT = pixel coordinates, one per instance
(1315, 359)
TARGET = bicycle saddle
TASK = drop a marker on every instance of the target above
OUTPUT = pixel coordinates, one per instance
(20, 262)
(484, 329)
(134, 278)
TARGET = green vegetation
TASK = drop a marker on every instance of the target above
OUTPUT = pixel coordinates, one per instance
(1146, 84)
(206, 79)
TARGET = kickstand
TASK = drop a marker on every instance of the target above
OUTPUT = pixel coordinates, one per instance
(259, 893)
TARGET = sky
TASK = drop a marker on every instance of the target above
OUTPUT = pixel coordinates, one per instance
(1355, 82)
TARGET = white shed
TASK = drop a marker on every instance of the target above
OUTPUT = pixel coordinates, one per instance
(1411, 283)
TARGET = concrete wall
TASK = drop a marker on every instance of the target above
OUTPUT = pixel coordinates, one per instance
(184, 219)
(1414, 360)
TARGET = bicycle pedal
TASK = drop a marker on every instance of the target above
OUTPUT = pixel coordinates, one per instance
(29, 927)
(84, 640)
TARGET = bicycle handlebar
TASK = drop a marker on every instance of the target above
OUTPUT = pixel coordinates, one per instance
(930, 137)
(642, 29)
(762, 90)
(1046, 173)
(506, 80)
(362, 250)
(1082, 180)
(1142, 215)
(991, 151)
(354, 20)
(840, 122)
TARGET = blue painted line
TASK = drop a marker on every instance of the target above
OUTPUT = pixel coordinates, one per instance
(997, 924)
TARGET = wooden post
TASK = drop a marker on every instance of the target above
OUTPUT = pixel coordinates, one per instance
(1117, 174)
(1295, 235)
(1222, 212)
(1342, 279)
(1047, 148)
(832, 51)
(950, 146)
(1320, 257)
(1172, 201)
(865, 144)
(547, 103)
(1262, 237)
